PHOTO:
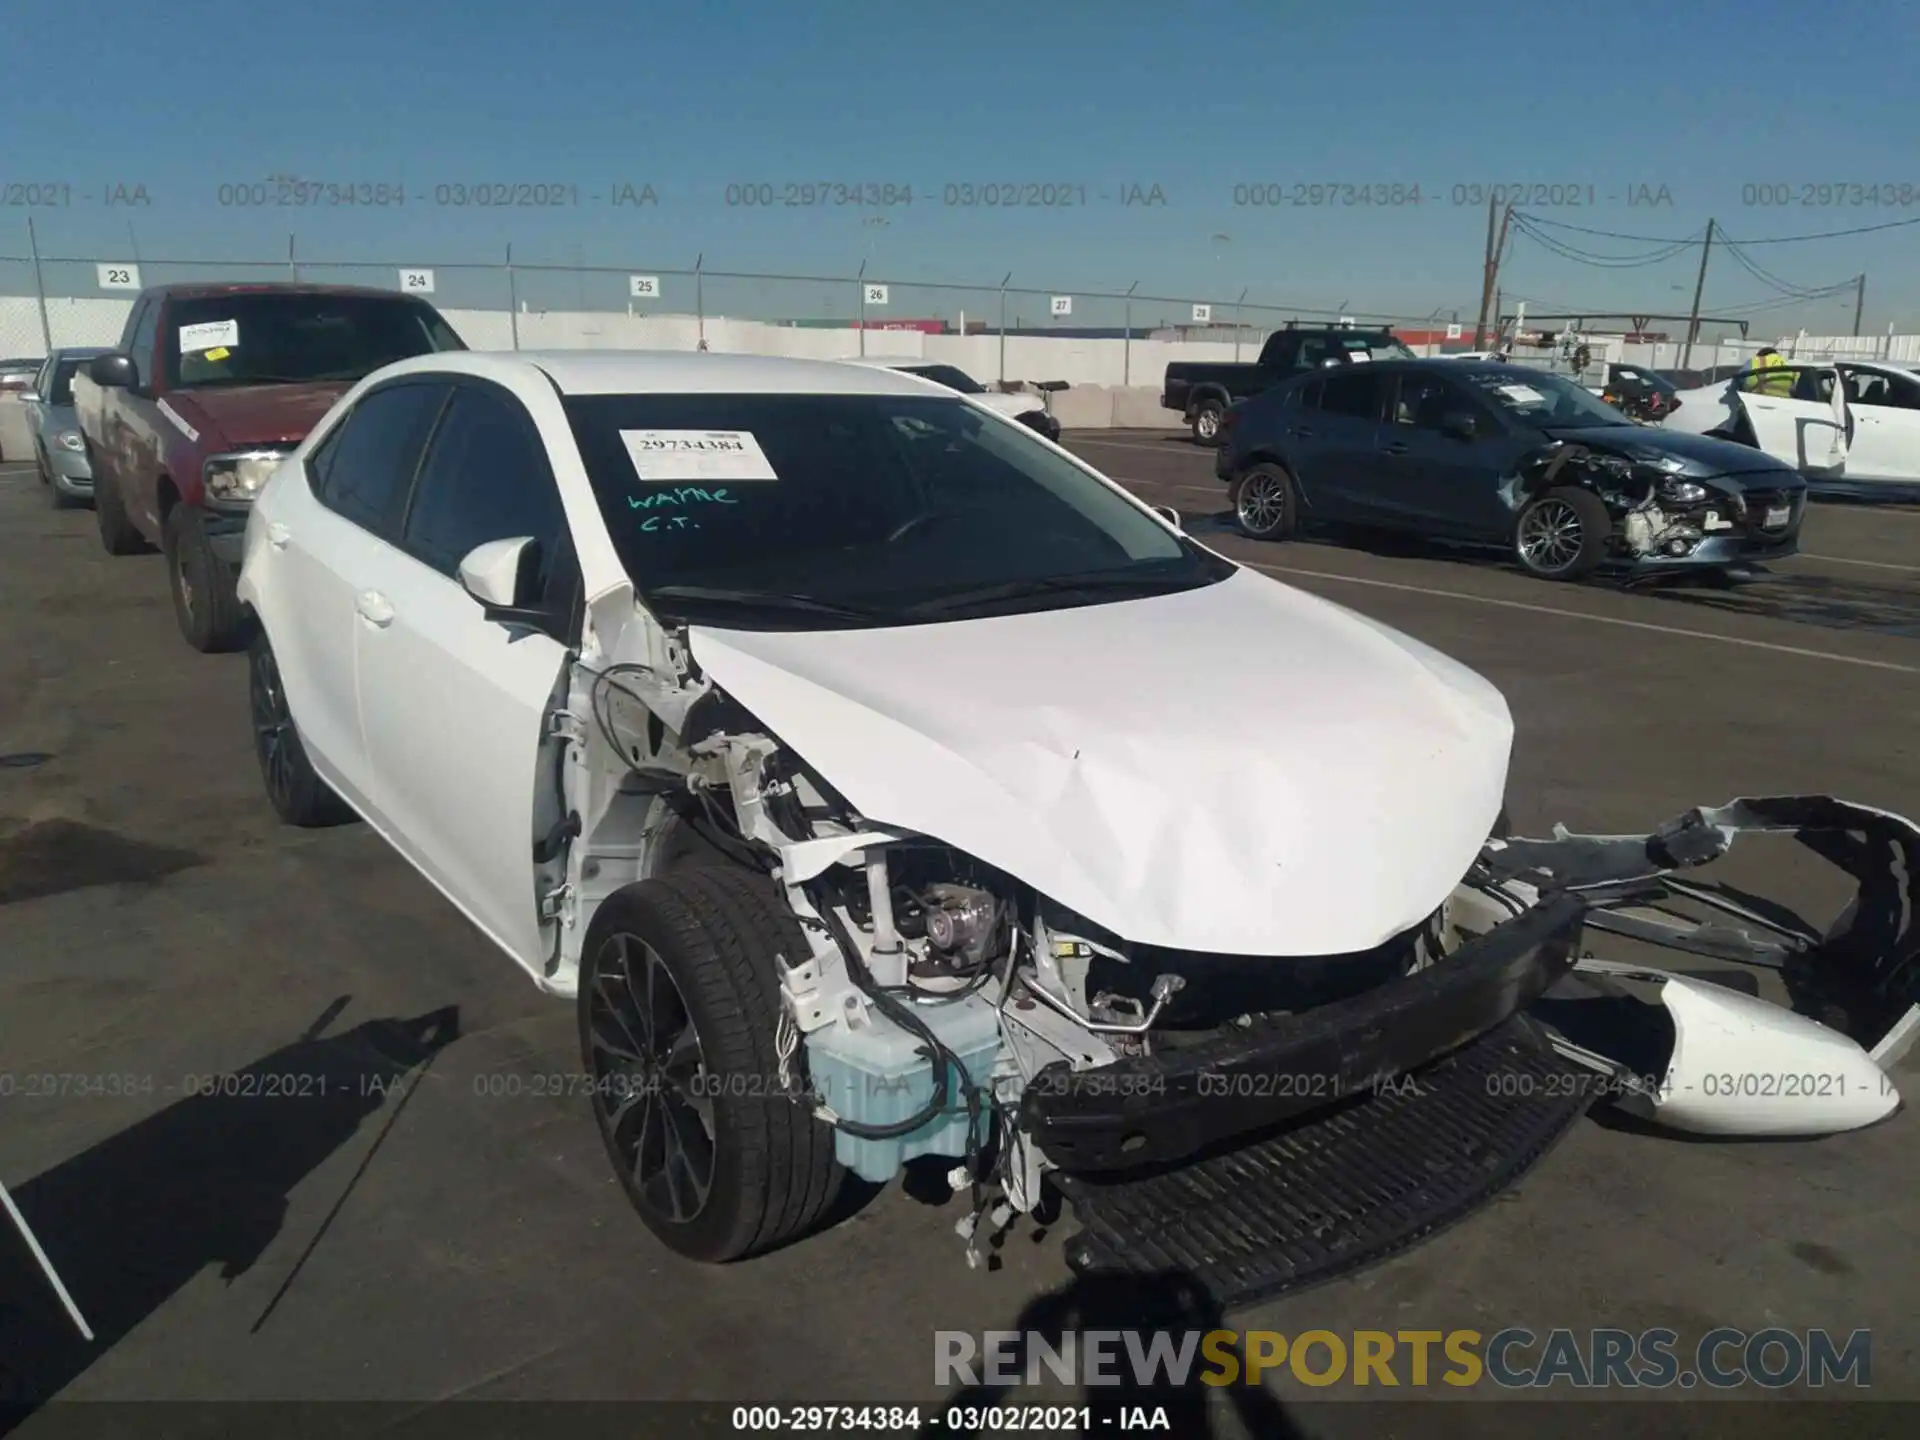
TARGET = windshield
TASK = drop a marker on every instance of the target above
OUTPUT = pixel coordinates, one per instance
(809, 511)
(1540, 399)
(263, 338)
(1380, 347)
(948, 376)
(60, 389)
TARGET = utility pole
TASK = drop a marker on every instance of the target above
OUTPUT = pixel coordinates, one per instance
(1859, 302)
(1699, 285)
(1490, 272)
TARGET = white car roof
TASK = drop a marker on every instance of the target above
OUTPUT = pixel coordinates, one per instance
(632, 372)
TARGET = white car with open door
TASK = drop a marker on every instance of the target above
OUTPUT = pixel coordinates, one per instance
(881, 781)
(1852, 427)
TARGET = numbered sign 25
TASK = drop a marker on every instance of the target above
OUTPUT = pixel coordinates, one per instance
(118, 277)
(1063, 305)
(417, 282)
(876, 294)
(643, 287)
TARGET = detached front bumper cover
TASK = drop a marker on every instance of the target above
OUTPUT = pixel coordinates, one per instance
(1854, 990)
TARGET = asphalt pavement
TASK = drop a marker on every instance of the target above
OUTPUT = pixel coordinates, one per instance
(437, 1219)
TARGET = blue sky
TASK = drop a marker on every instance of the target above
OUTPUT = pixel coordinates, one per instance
(1681, 105)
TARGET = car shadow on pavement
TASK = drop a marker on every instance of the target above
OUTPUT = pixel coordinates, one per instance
(132, 1220)
(1173, 1301)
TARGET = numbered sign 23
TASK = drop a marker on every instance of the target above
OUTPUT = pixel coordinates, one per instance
(417, 282)
(118, 277)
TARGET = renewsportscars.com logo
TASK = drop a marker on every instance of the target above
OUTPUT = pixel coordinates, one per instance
(1513, 1358)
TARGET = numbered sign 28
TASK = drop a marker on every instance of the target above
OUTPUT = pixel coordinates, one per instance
(417, 282)
(1063, 305)
(1203, 314)
(118, 277)
(876, 294)
(643, 287)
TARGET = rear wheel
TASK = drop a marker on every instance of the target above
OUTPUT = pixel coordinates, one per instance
(679, 995)
(299, 796)
(1563, 534)
(1206, 421)
(117, 534)
(1266, 503)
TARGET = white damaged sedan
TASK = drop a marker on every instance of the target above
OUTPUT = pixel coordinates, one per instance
(882, 782)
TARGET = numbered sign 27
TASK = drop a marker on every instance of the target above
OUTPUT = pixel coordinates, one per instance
(1063, 305)
(643, 287)
(118, 277)
(876, 294)
(417, 282)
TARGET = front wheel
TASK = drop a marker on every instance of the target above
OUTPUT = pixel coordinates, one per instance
(1563, 534)
(679, 997)
(117, 533)
(205, 601)
(1206, 422)
(1266, 503)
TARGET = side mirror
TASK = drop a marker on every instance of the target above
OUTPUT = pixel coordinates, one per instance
(113, 372)
(1460, 424)
(1168, 514)
(29, 397)
(501, 575)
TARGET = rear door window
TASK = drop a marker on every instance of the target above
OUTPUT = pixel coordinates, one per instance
(1355, 392)
(370, 470)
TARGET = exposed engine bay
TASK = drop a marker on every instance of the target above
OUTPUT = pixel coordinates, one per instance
(1659, 509)
(945, 1007)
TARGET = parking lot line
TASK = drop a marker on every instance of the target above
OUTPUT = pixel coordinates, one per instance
(1869, 564)
(1674, 630)
(1122, 445)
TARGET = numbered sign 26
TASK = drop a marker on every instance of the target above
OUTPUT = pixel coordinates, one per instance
(118, 277)
(417, 282)
(643, 287)
(876, 294)
(1063, 305)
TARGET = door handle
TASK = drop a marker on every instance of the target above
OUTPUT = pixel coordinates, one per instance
(1396, 447)
(374, 609)
(278, 535)
(1300, 434)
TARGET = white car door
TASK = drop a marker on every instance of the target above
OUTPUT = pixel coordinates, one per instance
(325, 542)
(1808, 428)
(453, 703)
(1886, 424)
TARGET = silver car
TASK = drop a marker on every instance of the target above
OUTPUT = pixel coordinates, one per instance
(59, 452)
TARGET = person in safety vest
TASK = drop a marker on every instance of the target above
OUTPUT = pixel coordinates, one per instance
(1778, 385)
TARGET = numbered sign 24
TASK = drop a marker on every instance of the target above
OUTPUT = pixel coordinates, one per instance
(118, 277)
(417, 282)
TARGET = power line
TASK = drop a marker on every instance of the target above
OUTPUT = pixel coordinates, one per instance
(1785, 287)
(1602, 262)
(1771, 240)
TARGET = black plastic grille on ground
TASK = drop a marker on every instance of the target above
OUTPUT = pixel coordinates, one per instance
(1342, 1188)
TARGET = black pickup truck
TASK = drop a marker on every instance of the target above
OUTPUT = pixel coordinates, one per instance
(1201, 391)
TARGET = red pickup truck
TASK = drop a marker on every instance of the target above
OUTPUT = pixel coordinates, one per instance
(209, 389)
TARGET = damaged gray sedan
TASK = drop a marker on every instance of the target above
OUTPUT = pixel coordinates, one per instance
(1501, 455)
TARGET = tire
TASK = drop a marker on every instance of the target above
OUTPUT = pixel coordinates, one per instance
(702, 944)
(298, 795)
(1266, 503)
(1206, 422)
(1563, 534)
(117, 534)
(204, 599)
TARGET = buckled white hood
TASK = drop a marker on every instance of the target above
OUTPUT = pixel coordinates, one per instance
(1243, 769)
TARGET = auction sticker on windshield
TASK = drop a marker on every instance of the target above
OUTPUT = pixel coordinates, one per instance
(668, 455)
(1523, 395)
(210, 335)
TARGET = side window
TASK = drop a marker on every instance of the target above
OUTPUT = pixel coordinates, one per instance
(140, 347)
(1423, 402)
(1902, 393)
(1313, 354)
(1353, 391)
(369, 471)
(485, 478)
(320, 458)
(1311, 394)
